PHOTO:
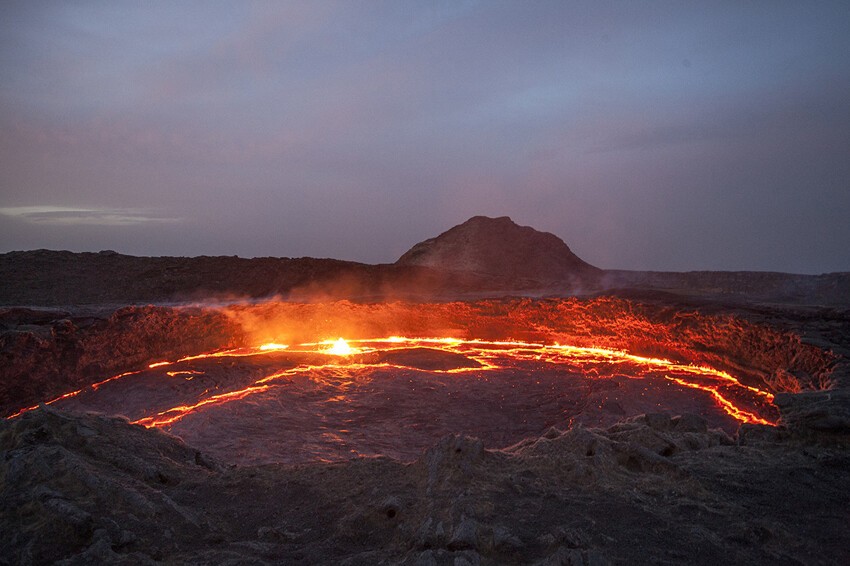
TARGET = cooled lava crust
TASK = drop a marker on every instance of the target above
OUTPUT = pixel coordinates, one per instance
(51, 353)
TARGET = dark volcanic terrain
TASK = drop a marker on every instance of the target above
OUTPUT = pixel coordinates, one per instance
(482, 257)
(566, 466)
(653, 490)
(498, 247)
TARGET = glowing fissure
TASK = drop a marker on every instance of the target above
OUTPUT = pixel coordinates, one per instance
(72, 393)
(485, 353)
(725, 404)
(189, 372)
(176, 413)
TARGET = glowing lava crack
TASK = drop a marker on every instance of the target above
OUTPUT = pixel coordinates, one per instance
(395, 396)
(742, 402)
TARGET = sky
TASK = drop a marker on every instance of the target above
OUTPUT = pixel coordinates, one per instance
(647, 135)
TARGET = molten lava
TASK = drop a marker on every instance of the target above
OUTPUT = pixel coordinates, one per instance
(744, 403)
(340, 348)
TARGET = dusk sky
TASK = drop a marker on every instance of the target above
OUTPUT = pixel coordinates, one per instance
(647, 135)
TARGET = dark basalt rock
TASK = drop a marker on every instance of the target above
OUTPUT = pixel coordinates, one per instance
(819, 415)
(92, 489)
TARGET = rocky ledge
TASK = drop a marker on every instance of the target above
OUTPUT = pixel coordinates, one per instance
(654, 489)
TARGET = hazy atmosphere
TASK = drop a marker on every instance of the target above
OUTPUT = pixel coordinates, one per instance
(647, 135)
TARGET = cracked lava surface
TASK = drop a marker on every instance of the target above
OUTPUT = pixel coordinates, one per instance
(338, 399)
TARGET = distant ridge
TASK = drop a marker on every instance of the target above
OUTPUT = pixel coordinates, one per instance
(483, 257)
(500, 247)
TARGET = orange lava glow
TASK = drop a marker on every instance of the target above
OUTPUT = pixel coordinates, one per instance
(167, 417)
(65, 396)
(340, 348)
(480, 356)
(191, 373)
(725, 404)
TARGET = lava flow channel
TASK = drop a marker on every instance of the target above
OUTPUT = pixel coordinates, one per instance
(343, 359)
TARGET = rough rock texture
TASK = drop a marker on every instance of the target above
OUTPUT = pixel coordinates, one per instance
(498, 246)
(94, 488)
(820, 415)
(655, 490)
(45, 353)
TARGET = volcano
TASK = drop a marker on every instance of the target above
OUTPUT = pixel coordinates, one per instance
(500, 247)
(476, 423)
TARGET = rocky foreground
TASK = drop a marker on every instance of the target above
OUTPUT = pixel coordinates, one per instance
(655, 489)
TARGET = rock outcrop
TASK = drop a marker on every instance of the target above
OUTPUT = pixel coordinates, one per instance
(45, 353)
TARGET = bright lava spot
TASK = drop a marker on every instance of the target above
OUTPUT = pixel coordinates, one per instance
(273, 346)
(340, 348)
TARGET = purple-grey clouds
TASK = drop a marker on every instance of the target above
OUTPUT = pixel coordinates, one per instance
(647, 135)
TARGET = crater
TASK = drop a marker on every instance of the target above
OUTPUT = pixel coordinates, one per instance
(411, 373)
